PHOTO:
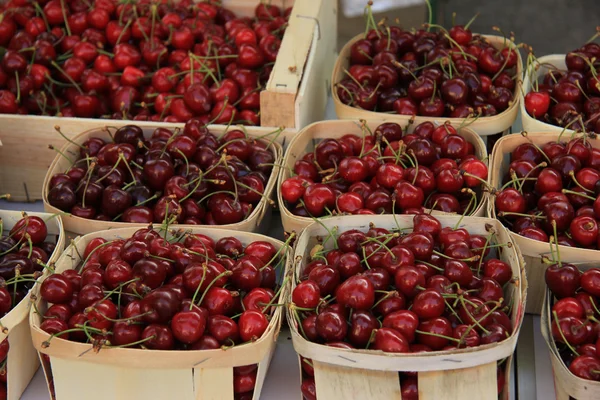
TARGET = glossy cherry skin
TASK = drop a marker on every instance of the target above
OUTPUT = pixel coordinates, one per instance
(357, 292)
(188, 326)
(57, 289)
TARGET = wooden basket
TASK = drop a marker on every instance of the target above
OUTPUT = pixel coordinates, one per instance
(309, 137)
(449, 375)
(531, 124)
(532, 250)
(149, 374)
(253, 223)
(22, 361)
(484, 126)
(566, 385)
(295, 96)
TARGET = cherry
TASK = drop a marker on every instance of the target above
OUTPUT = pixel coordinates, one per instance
(563, 280)
(585, 367)
(188, 326)
(357, 292)
(428, 304)
(57, 289)
(434, 333)
(590, 281)
(252, 325)
(331, 326)
(32, 226)
(390, 341)
(159, 337)
(306, 295)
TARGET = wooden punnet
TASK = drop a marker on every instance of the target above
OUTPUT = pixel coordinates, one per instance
(81, 225)
(73, 369)
(22, 361)
(546, 63)
(307, 139)
(484, 126)
(566, 385)
(533, 250)
(449, 375)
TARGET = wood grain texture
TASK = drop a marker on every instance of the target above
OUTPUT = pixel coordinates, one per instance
(278, 109)
(334, 382)
(470, 383)
(213, 383)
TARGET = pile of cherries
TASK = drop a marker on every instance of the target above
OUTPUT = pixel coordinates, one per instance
(24, 252)
(551, 192)
(166, 292)
(387, 171)
(575, 313)
(142, 60)
(570, 98)
(450, 73)
(188, 176)
(433, 289)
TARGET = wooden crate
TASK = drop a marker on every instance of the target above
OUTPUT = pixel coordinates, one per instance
(450, 375)
(255, 221)
(532, 250)
(484, 126)
(295, 96)
(567, 386)
(149, 374)
(306, 140)
(546, 63)
(22, 361)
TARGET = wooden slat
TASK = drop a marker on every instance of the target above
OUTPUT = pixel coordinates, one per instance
(313, 95)
(277, 109)
(459, 384)
(119, 383)
(213, 383)
(333, 382)
(295, 45)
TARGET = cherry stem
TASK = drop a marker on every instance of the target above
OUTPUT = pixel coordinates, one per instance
(534, 216)
(567, 191)
(485, 247)
(473, 258)
(526, 178)
(353, 78)
(370, 21)
(286, 245)
(477, 322)
(562, 334)
(141, 341)
(118, 288)
(216, 278)
(384, 297)
(276, 296)
(430, 13)
(438, 335)
(471, 21)
(553, 223)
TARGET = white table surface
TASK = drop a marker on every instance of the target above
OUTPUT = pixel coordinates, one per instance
(532, 379)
